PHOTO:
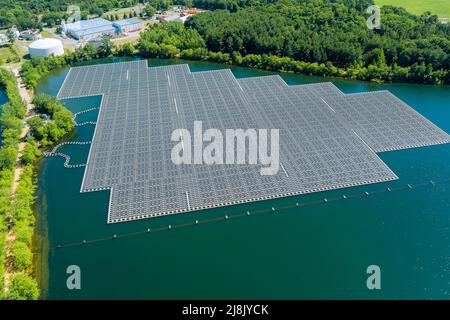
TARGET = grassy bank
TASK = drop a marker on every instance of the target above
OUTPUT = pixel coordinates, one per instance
(18, 234)
(23, 284)
(16, 215)
(6, 178)
(8, 54)
(441, 8)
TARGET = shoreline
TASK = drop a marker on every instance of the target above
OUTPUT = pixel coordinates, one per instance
(40, 242)
(25, 244)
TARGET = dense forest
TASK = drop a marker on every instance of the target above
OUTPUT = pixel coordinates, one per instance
(328, 31)
(321, 37)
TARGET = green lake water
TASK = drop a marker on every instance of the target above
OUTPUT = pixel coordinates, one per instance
(318, 251)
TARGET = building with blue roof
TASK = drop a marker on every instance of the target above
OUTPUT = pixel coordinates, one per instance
(90, 29)
(128, 25)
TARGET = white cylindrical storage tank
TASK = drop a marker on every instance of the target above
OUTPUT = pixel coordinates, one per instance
(45, 47)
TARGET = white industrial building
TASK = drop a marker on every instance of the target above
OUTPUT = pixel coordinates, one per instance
(89, 29)
(46, 47)
(128, 25)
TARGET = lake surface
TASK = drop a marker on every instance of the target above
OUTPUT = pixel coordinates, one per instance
(321, 250)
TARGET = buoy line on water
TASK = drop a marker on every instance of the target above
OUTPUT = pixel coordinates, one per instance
(66, 157)
(54, 153)
(82, 111)
(84, 123)
(251, 213)
(74, 117)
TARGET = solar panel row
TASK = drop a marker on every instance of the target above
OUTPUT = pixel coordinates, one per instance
(327, 138)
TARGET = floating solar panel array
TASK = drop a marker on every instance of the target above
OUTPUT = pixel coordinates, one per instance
(328, 139)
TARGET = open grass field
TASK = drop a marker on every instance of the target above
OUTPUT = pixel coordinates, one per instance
(6, 54)
(46, 34)
(439, 7)
(19, 50)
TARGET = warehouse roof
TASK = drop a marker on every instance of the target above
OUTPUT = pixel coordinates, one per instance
(95, 30)
(126, 22)
(88, 24)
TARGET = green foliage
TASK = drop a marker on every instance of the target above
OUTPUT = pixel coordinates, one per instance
(23, 223)
(30, 152)
(8, 156)
(45, 103)
(124, 50)
(320, 31)
(315, 37)
(33, 70)
(23, 232)
(161, 5)
(51, 130)
(23, 287)
(3, 231)
(16, 106)
(37, 126)
(149, 11)
(22, 255)
(167, 39)
(6, 178)
(10, 120)
(52, 19)
(24, 198)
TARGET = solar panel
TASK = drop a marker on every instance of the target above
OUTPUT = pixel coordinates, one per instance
(131, 149)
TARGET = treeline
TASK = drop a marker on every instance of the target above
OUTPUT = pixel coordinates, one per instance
(6, 178)
(16, 212)
(23, 285)
(171, 40)
(167, 40)
(10, 121)
(230, 5)
(323, 32)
